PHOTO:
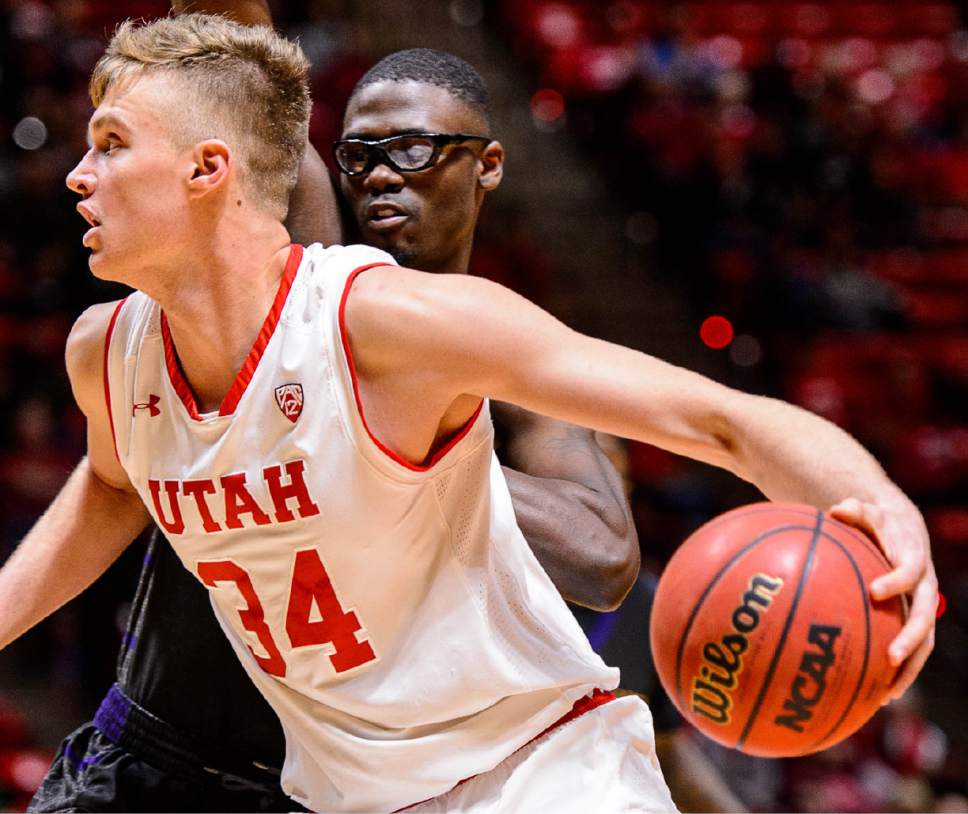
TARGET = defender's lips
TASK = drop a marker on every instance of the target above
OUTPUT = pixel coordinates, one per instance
(382, 216)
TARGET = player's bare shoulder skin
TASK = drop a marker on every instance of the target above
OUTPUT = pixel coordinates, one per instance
(84, 357)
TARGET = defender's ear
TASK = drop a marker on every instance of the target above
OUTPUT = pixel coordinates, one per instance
(211, 163)
(491, 166)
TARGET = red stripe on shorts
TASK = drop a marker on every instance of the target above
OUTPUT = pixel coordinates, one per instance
(584, 704)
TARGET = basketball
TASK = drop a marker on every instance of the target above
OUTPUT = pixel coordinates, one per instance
(764, 634)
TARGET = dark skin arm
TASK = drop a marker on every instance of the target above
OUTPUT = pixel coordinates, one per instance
(567, 496)
(313, 210)
(314, 215)
(570, 503)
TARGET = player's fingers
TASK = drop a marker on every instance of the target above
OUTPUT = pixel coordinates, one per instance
(920, 622)
(909, 671)
(901, 580)
(865, 516)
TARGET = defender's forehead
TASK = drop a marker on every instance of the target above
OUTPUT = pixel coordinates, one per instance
(387, 108)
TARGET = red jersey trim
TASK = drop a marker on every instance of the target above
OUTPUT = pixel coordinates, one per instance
(107, 385)
(584, 704)
(247, 371)
(344, 338)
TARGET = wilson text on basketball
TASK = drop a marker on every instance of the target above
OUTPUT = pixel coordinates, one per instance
(723, 660)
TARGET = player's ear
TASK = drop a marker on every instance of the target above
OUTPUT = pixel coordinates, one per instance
(491, 166)
(211, 161)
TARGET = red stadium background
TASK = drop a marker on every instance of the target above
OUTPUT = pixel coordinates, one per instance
(774, 193)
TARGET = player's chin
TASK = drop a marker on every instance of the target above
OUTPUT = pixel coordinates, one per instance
(101, 266)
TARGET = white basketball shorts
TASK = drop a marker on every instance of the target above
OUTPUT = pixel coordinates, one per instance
(603, 761)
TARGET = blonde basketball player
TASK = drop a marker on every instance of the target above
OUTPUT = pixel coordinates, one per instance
(309, 427)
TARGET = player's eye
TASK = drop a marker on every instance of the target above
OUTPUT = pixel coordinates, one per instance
(109, 145)
(411, 152)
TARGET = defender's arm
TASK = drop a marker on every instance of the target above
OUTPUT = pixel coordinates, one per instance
(93, 518)
(570, 503)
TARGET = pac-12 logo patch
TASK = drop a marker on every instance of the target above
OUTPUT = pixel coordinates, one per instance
(289, 397)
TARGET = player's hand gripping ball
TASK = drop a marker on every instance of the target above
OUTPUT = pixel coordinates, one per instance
(764, 634)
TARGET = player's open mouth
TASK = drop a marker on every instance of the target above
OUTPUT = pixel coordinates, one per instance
(88, 236)
(383, 217)
(92, 219)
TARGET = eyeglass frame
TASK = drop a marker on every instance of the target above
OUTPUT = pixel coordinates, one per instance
(378, 151)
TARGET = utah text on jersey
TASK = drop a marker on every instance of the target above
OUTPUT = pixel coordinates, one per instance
(234, 504)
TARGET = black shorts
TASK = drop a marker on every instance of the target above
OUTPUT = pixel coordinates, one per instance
(96, 770)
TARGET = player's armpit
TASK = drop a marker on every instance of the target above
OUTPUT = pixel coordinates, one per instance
(570, 504)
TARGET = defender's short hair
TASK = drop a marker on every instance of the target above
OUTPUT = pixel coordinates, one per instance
(432, 68)
(243, 84)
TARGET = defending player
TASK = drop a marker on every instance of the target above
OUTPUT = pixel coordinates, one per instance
(412, 353)
(167, 736)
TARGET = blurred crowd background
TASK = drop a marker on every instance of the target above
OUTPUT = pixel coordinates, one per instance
(775, 193)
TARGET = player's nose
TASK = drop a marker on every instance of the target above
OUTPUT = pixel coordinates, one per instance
(82, 179)
(383, 178)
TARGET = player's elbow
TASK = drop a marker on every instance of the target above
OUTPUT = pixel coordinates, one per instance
(616, 574)
(613, 560)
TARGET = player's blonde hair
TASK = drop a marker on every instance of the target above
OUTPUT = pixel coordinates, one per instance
(245, 85)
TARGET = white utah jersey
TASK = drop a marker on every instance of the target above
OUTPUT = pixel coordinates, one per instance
(392, 615)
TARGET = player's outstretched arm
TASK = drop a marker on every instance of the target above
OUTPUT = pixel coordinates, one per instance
(93, 518)
(414, 339)
(570, 504)
(314, 215)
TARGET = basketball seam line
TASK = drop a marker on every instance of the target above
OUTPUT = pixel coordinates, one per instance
(680, 650)
(867, 640)
(788, 623)
(869, 544)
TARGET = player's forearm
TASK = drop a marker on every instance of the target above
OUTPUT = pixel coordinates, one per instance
(250, 12)
(792, 454)
(313, 210)
(587, 545)
(570, 503)
(85, 529)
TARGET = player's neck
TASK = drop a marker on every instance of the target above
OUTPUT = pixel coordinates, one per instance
(218, 307)
(457, 263)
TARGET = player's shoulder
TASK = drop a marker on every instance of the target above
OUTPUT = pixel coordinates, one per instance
(404, 312)
(398, 292)
(348, 257)
(84, 353)
(85, 343)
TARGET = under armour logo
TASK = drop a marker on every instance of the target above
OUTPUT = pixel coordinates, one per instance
(151, 405)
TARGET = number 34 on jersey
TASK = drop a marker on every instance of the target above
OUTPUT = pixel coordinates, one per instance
(310, 584)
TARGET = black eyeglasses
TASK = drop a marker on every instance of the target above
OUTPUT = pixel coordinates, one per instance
(410, 152)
